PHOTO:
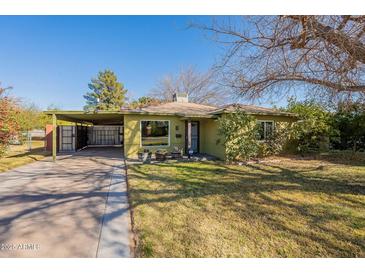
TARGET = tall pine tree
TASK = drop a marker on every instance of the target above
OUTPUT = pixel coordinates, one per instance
(106, 92)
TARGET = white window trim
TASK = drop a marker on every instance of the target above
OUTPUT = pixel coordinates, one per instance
(140, 135)
(265, 121)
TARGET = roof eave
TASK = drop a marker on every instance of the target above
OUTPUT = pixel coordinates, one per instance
(180, 114)
(65, 112)
(288, 114)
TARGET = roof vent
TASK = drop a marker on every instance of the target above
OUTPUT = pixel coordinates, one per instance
(180, 97)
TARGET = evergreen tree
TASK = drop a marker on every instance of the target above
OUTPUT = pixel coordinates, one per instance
(144, 101)
(106, 92)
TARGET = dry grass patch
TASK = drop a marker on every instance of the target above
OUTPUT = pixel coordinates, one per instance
(286, 208)
(19, 155)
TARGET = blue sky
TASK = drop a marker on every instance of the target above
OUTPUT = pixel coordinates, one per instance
(51, 59)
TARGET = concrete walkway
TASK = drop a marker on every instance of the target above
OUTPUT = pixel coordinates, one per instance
(76, 207)
(115, 238)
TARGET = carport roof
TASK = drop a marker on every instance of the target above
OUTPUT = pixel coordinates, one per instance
(96, 118)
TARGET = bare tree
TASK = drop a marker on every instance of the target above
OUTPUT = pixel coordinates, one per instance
(201, 88)
(270, 55)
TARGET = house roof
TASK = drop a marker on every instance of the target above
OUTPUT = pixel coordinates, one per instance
(177, 108)
(181, 109)
(251, 109)
(199, 110)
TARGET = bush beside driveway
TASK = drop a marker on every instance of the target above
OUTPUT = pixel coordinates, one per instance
(283, 208)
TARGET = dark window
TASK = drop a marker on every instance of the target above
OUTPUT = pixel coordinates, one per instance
(265, 129)
(269, 129)
(155, 133)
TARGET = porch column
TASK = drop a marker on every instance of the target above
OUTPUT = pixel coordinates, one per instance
(189, 136)
(54, 137)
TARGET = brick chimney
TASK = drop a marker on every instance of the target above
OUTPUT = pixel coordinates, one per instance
(180, 97)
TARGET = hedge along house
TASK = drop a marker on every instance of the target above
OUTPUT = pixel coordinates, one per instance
(177, 125)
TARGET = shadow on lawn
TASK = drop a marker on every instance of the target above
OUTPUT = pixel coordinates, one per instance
(341, 158)
(254, 187)
(34, 152)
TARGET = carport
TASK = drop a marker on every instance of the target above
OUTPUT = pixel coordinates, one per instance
(82, 129)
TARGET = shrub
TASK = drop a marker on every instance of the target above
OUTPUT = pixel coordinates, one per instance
(313, 129)
(162, 151)
(276, 142)
(239, 133)
(8, 123)
(349, 121)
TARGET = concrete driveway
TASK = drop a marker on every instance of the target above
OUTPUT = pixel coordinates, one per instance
(76, 207)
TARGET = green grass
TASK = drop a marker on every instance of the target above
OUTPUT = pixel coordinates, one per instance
(19, 155)
(284, 208)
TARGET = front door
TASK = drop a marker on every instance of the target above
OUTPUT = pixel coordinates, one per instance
(195, 137)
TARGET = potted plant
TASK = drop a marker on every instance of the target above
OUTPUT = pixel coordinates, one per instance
(176, 153)
(144, 155)
(161, 154)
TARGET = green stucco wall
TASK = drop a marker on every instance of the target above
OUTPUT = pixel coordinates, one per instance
(210, 141)
(132, 133)
(276, 119)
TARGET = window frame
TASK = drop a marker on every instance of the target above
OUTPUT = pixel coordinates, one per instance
(154, 120)
(266, 121)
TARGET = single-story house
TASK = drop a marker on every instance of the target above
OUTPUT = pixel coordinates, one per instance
(190, 127)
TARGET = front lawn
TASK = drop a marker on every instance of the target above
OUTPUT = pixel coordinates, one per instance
(283, 208)
(19, 155)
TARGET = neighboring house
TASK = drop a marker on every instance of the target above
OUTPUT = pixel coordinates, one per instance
(175, 125)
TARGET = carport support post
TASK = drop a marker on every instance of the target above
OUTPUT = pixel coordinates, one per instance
(54, 137)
